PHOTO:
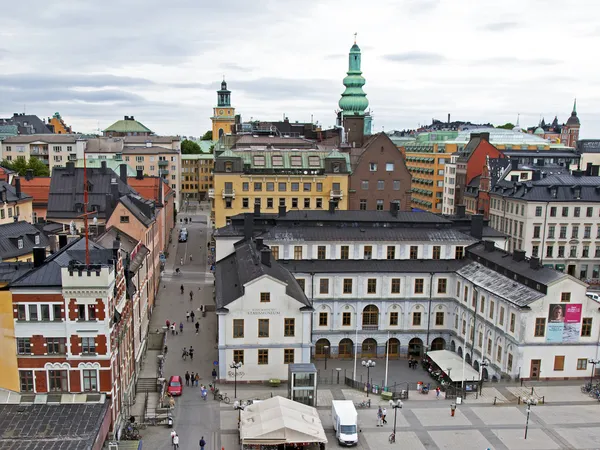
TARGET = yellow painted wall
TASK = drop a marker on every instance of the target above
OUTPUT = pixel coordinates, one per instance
(237, 179)
(25, 212)
(435, 177)
(9, 375)
(225, 121)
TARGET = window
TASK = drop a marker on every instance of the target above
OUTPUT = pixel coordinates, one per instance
(464, 326)
(395, 286)
(88, 345)
(263, 356)
(559, 363)
(45, 312)
(513, 320)
(301, 283)
(565, 211)
(479, 339)
(319, 187)
(275, 251)
(437, 252)
(314, 161)
(259, 160)
(577, 211)
(391, 252)
(238, 356)
(396, 185)
(499, 354)
(26, 380)
(414, 252)
(586, 327)
(482, 305)
(379, 205)
(575, 232)
(466, 293)
(442, 285)
(372, 286)
(23, 346)
(501, 318)
(585, 253)
(551, 230)
(306, 187)
(373, 167)
(270, 203)
(297, 252)
(288, 356)
(416, 319)
(565, 296)
(587, 232)
(347, 289)
(346, 319)
(489, 346)
(57, 313)
(324, 286)
(33, 312)
(540, 327)
(321, 251)
(90, 380)
(389, 167)
(56, 346)
(589, 212)
(553, 211)
(57, 380)
(536, 232)
(294, 202)
(318, 203)
(323, 319)
(368, 252)
(538, 211)
(296, 160)
(257, 187)
(277, 160)
(344, 252)
(263, 328)
(459, 253)
(439, 318)
(238, 328)
(419, 285)
(582, 364)
(380, 185)
(21, 312)
(295, 187)
(289, 327)
(364, 185)
(281, 187)
(393, 319)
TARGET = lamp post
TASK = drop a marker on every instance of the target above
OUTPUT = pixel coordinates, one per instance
(396, 405)
(239, 407)
(528, 401)
(368, 364)
(338, 369)
(483, 363)
(593, 362)
(326, 350)
(235, 366)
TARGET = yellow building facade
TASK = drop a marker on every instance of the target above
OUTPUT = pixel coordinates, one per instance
(197, 176)
(294, 179)
(223, 118)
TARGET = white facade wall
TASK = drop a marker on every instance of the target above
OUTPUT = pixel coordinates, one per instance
(448, 206)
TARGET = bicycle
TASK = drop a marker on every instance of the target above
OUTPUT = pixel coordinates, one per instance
(221, 397)
(364, 404)
(392, 438)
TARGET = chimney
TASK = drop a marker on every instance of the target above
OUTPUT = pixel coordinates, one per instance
(39, 255)
(477, 226)
(71, 167)
(114, 192)
(578, 173)
(489, 246)
(139, 174)
(460, 210)
(18, 186)
(514, 163)
(332, 205)
(259, 243)
(282, 211)
(394, 207)
(265, 257)
(123, 173)
(256, 209)
(519, 255)
(534, 263)
(248, 226)
(29, 174)
(536, 175)
(103, 167)
(484, 137)
(62, 240)
(448, 118)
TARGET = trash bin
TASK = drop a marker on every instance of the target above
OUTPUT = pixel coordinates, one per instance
(458, 400)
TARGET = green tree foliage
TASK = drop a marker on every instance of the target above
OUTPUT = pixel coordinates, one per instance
(20, 166)
(506, 126)
(207, 136)
(190, 148)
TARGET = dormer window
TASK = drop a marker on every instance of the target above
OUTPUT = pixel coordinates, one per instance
(277, 160)
(553, 192)
(36, 239)
(259, 160)
(314, 161)
(228, 167)
(296, 161)
(336, 167)
(577, 192)
(20, 243)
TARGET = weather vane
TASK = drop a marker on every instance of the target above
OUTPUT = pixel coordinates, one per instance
(355, 37)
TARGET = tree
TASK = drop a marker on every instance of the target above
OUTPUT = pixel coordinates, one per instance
(20, 166)
(211, 150)
(506, 126)
(190, 147)
(207, 136)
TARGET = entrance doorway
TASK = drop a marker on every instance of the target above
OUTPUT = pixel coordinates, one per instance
(570, 270)
(534, 372)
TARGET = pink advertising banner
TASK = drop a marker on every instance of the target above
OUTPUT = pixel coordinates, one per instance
(573, 313)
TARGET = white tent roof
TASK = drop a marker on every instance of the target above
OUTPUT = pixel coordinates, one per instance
(446, 359)
(280, 421)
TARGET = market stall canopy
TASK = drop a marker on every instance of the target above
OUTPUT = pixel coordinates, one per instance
(280, 421)
(445, 359)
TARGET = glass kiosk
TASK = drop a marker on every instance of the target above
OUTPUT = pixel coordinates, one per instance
(302, 383)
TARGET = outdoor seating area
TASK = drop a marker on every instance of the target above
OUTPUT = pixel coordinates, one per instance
(450, 371)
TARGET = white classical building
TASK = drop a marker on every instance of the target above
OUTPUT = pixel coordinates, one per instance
(408, 283)
(264, 315)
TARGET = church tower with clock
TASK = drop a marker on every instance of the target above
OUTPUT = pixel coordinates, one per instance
(223, 117)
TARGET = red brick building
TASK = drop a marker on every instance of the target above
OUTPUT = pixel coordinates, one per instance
(73, 325)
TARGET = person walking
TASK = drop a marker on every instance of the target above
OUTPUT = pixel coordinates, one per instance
(202, 443)
(214, 375)
(173, 434)
(191, 259)
(176, 442)
(168, 324)
(192, 378)
(191, 353)
(197, 379)
(187, 378)
(379, 422)
(181, 327)
(437, 393)
(187, 316)
(192, 315)
(204, 392)
(173, 329)
(197, 327)
(383, 414)
(182, 289)
(191, 295)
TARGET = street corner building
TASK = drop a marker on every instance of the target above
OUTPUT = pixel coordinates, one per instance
(264, 315)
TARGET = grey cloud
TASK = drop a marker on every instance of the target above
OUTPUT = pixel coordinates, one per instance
(500, 26)
(508, 60)
(44, 96)
(273, 88)
(230, 66)
(42, 81)
(416, 57)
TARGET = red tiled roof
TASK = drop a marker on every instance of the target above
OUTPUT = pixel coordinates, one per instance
(147, 187)
(37, 187)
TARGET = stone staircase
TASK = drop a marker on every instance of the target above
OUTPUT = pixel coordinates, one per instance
(146, 385)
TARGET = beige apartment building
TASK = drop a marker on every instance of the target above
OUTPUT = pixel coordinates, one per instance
(54, 150)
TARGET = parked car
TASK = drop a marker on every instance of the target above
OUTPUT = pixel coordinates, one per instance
(183, 236)
(175, 386)
(593, 296)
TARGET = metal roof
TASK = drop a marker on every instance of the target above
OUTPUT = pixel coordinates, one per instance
(555, 188)
(309, 159)
(11, 233)
(409, 217)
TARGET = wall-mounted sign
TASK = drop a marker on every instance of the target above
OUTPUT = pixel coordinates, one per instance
(564, 322)
(263, 312)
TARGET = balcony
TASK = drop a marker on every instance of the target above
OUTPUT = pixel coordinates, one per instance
(163, 163)
(163, 172)
(370, 327)
(36, 151)
(228, 193)
(336, 193)
(211, 193)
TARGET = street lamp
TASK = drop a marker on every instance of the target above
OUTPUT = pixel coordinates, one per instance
(368, 364)
(483, 363)
(326, 350)
(396, 405)
(593, 362)
(235, 366)
(528, 401)
(239, 407)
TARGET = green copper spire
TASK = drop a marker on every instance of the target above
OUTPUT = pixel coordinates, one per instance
(354, 100)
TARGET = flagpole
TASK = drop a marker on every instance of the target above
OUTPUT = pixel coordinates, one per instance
(387, 359)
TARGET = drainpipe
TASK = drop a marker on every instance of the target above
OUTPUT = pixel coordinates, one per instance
(475, 328)
(429, 310)
(544, 235)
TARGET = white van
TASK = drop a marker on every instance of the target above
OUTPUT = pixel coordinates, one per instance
(345, 421)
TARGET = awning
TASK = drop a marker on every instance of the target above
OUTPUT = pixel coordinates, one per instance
(560, 267)
(280, 421)
(452, 365)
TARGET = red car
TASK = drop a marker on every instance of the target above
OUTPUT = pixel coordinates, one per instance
(175, 385)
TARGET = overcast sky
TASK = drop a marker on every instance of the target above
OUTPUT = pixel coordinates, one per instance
(162, 61)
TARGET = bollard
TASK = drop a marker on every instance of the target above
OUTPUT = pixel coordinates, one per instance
(518, 400)
(531, 390)
(452, 409)
(494, 400)
(543, 400)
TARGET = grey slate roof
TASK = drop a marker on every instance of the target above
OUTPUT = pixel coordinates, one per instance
(47, 138)
(27, 123)
(10, 234)
(141, 150)
(563, 153)
(10, 271)
(373, 265)
(142, 209)
(243, 266)
(66, 192)
(412, 217)
(49, 273)
(50, 427)
(490, 280)
(11, 193)
(542, 190)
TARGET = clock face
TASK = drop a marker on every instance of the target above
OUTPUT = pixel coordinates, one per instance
(221, 112)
